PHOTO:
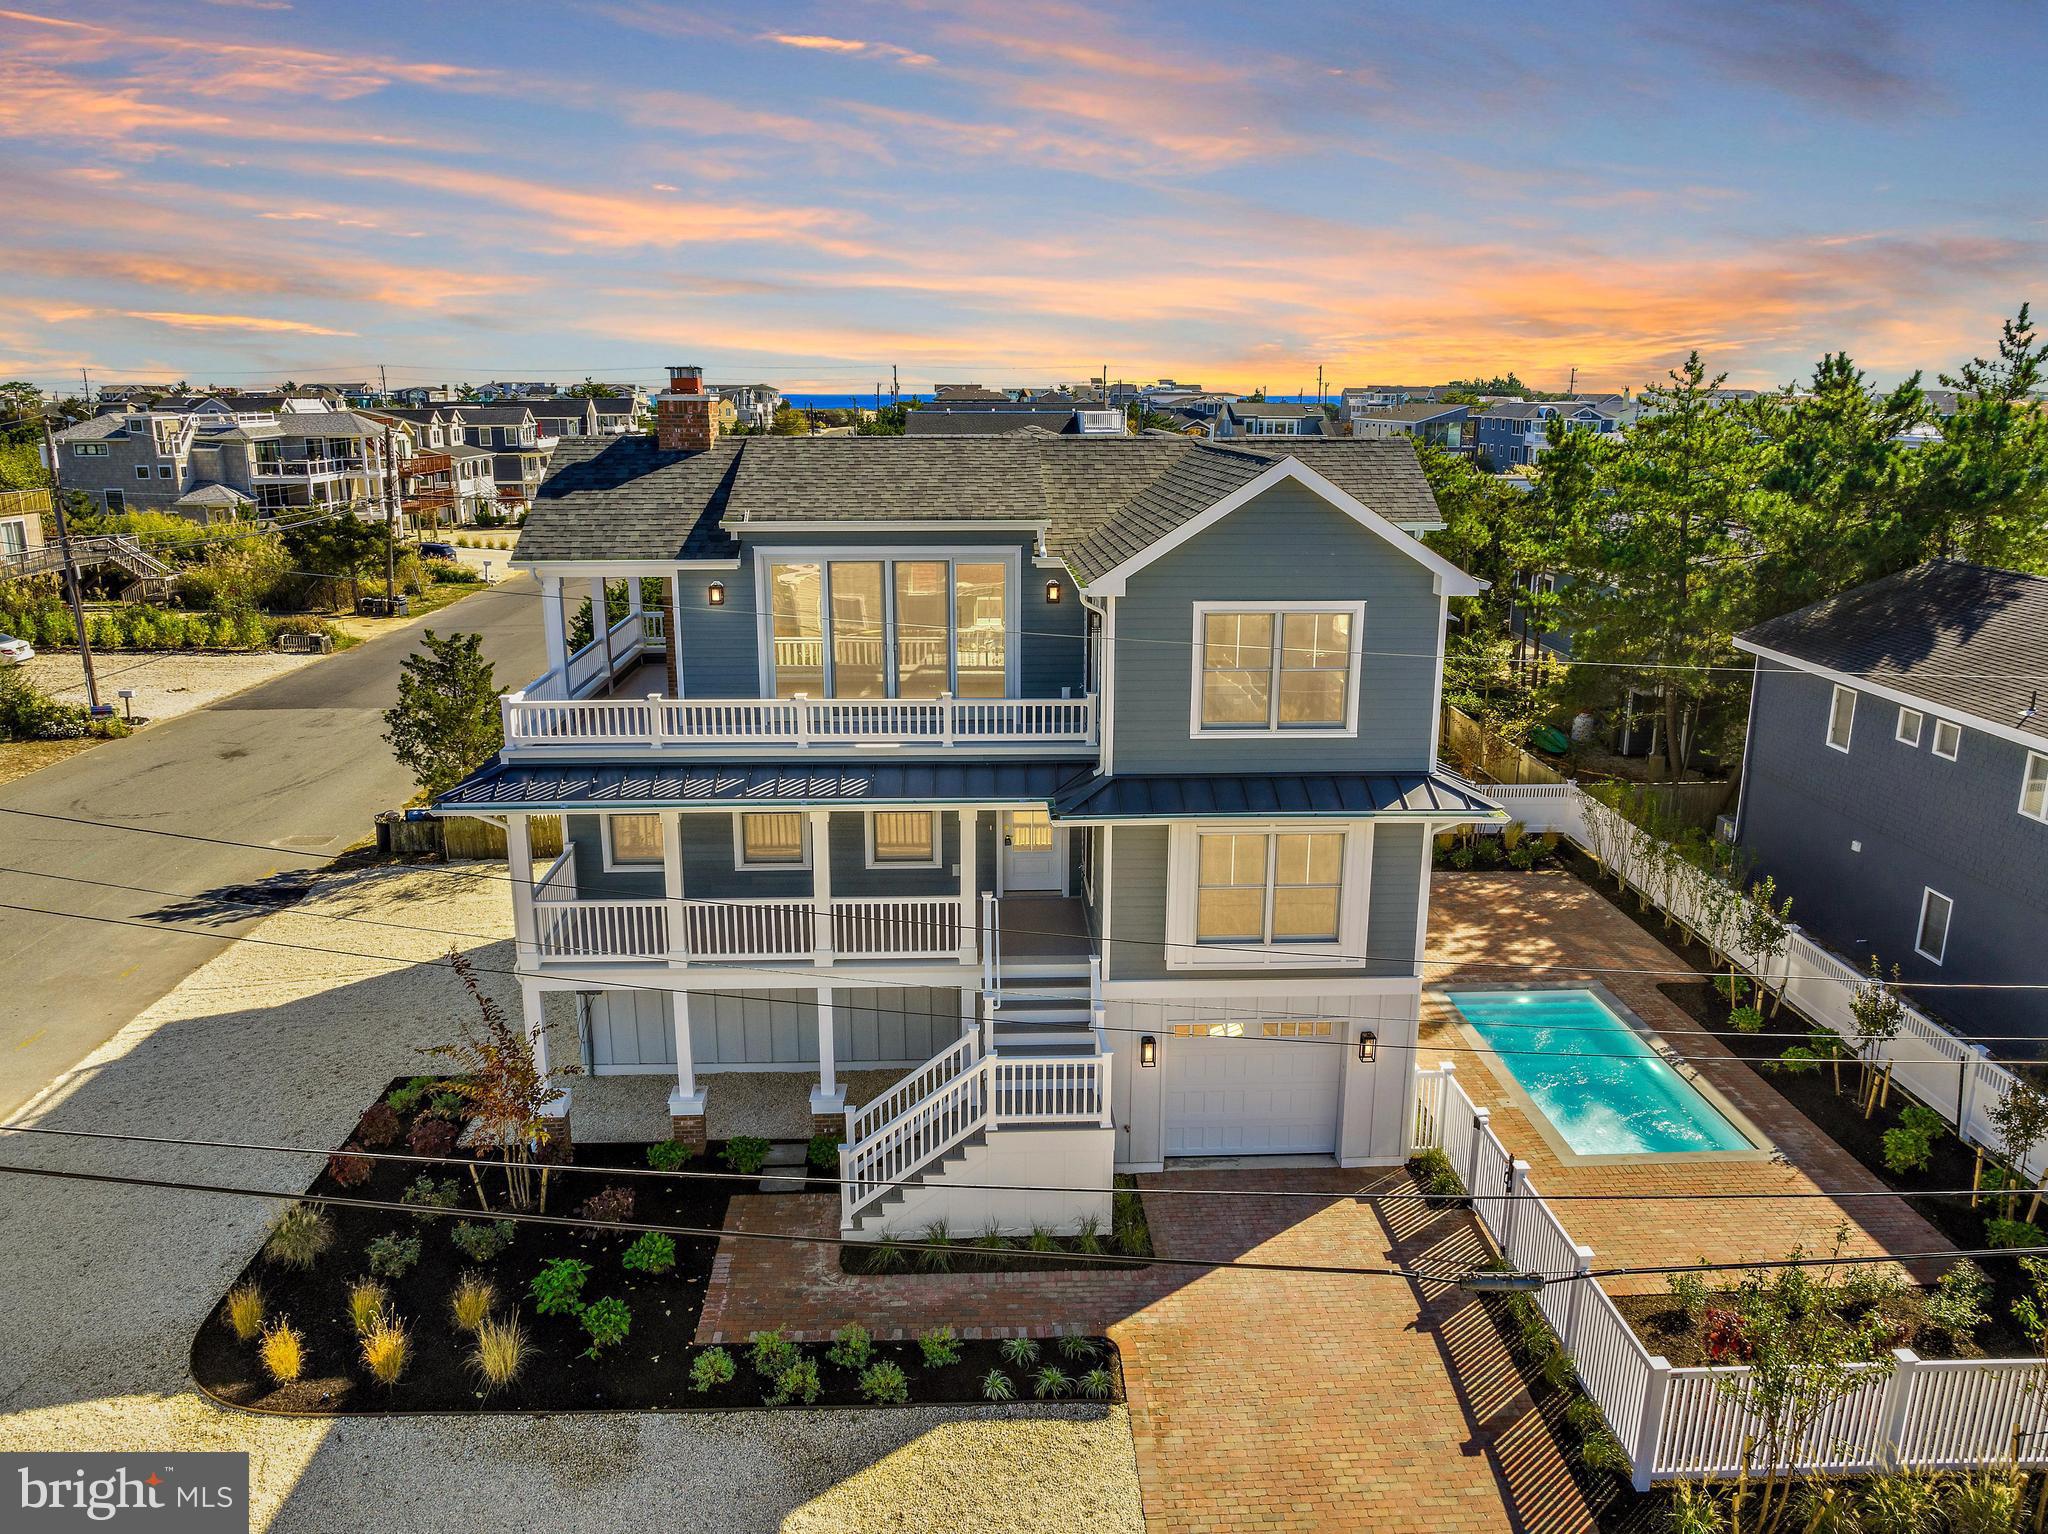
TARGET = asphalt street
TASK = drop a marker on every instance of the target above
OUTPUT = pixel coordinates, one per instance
(296, 767)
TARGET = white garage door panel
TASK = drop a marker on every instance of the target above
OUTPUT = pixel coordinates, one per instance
(1251, 1097)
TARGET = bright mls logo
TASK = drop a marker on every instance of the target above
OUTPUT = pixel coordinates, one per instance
(162, 1493)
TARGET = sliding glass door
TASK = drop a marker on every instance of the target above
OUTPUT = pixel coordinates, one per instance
(905, 628)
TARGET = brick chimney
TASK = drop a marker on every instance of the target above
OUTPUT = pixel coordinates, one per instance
(683, 418)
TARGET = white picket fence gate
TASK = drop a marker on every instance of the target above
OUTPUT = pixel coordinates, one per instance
(1678, 1424)
(1951, 1075)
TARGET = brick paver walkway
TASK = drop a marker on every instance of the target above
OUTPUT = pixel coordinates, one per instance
(1485, 921)
(1258, 1400)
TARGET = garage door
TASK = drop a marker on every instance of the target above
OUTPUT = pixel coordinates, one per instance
(1252, 1088)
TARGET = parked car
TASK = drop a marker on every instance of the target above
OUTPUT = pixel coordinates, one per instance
(437, 551)
(15, 652)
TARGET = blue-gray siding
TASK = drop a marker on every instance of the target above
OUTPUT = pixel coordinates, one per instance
(709, 872)
(1287, 545)
(871, 1026)
(1923, 823)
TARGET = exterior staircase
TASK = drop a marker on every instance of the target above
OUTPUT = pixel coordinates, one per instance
(152, 577)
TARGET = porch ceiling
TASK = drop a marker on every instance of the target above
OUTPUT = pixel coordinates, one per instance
(572, 786)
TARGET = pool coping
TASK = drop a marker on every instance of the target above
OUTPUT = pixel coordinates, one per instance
(1761, 1146)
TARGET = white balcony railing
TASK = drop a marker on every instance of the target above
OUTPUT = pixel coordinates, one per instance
(916, 927)
(532, 723)
(307, 468)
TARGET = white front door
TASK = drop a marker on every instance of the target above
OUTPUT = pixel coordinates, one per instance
(1243, 1094)
(1030, 852)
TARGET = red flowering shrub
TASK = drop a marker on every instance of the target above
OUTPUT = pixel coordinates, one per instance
(377, 1128)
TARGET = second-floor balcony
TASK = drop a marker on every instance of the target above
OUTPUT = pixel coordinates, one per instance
(306, 468)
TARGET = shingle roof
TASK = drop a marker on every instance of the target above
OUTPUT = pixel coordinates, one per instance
(982, 423)
(213, 495)
(1415, 410)
(1272, 409)
(1964, 638)
(491, 415)
(1100, 499)
(113, 424)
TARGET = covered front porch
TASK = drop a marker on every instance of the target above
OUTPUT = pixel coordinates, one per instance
(776, 1105)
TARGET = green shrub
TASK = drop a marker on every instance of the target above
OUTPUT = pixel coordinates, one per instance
(392, 1255)
(1903, 1502)
(934, 1256)
(1021, 1352)
(1956, 1305)
(771, 1353)
(713, 1367)
(1746, 1020)
(1433, 1170)
(996, 1386)
(1050, 1383)
(745, 1154)
(1910, 1147)
(1985, 1503)
(1583, 1417)
(667, 1155)
(1603, 1454)
(852, 1347)
(884, 1384)
(1077, 1348)
(298, 1238)
(652, 1253)
(1098, 1384)
(426, 1195)
(482, 1240)
(28, 713)
(1797, 1058)
(939, 1347)
(402, 1100)
(557, 1289)
(607, 1321)
(799, 1382)
(2013, 1233)
(824, 1152)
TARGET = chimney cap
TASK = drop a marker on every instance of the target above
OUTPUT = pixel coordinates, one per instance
(684, 370)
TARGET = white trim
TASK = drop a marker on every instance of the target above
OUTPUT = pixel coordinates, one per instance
(1354, 899)
(1202, 988)
(2035, 758)
(1894, 695)
(615, 865)
(739, 846)
(1062, 853)
(1919, 723)
(1935, 745)
(868, 840)
(1456, 581)
(1105, 686)
(1930, 893)
(1436, 698)
(592, 569)
(1842, 689)
(758, 531)
(1273, 730)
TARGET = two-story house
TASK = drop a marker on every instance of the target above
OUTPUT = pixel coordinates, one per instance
(1895, 784)
(1515, 432)
(1270, 418)
(519, 457)
(1078, 788)
(1444, 426)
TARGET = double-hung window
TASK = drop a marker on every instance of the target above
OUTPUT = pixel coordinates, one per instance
(1290, 894)
(1948, 739)
(1908, 732)
(780, 839)
(903, 839)
(1276, 668)
(1841, 718)
(1931, 940)
(2034, 787)
(632, 841)
(889, 628)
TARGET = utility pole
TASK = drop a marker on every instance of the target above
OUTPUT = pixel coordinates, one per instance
(1572, 387)
(92, 689)
(1319, 386)
(383, 384)
(895, 393)
(85, 383)
(390, 545)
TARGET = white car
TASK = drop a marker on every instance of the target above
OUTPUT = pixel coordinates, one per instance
(15, 652)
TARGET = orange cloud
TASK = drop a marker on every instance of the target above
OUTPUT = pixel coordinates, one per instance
(251, 322)
(820, 43)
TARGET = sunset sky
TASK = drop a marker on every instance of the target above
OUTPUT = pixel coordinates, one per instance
(237, 191)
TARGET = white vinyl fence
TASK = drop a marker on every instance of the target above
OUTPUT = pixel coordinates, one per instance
(1951, 1075)
(1677, 1424)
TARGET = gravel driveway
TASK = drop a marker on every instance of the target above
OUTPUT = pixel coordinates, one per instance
(167, 683)
(107, 1284)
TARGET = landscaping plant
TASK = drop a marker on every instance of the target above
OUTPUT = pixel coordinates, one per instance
(996, 1386)
(1088, 1236)
(1878, 1015)
(482, 1240)
(1021, 1352)
(613, 1205)
(1956, 1306)
(1903, 1502)
(1439, 1179)
(431, 1136)
(392, 1255)
(771, 1353)
(653, 1253)
(506, 1094)
(939, 1347)
(348, 1168)
(427, 1196)
(667, 1155)
(298, 1238)
(1766, 931)
(499, 1354)
(798, 1382)
(282, 1352)
(1985, 1503)
(607, 1321)
(472, 1302)
(932, 1255)
(2021, 1119)
(1041, 1239)
(558, 1288)
(386, 1350)
(404, 1099)
(824, 1152)
(745, 1154)
(884, 1384)
(852, 1347)
(1910, 1147)
(1077, 1348)
(245, 1312)
(446, 722)
(368, 1300)
(1098, 1384)
(713, 1367)
(1050, 1383)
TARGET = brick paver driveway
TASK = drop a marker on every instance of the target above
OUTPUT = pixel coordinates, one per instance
(1258, 1400)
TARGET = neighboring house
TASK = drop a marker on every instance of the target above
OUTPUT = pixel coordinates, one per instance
(1895, 783)
(1516, 432)
(753, 404)
(940, 421)
(1444, 426)
(21, 522)
(1078, 785)
(1354, 401)
(1269, 418)
(519, 456)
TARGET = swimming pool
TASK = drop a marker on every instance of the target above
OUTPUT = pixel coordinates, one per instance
(1605, 1091)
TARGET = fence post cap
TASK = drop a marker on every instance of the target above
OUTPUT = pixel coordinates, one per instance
(1450, 1067)
(1583, 1253)
(1905, 1356)
(1659, 1364)
(1983, 1050)
(1481, 1116)
(1519, 1164)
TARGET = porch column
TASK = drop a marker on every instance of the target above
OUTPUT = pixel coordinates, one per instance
(554, 625)
(601, 629)
(672, 631)
(533, 1005)
(970, 880)
(828, 1102)
(519, 864)
(821, 884)
(686, 1102)
(672, 884)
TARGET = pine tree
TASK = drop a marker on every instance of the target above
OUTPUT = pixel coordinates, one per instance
(445, 723)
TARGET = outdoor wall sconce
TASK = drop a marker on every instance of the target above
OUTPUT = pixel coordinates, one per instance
(1052, 591)
(717, 593)
(1368, 1047)
(1148, 1050)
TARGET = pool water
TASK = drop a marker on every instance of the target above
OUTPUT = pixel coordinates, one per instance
(1593, 1076)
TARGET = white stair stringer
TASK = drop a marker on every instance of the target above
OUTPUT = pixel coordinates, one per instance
(1078, 1159)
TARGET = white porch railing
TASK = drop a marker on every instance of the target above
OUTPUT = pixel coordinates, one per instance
(1949, 1414)
(749, 929)
(569, 927)
(602, 929)
(927, 928)
(533, 720)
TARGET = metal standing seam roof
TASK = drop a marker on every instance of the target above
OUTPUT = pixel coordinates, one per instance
(1260, 796)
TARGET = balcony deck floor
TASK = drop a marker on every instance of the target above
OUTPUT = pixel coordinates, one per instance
(1044, 927)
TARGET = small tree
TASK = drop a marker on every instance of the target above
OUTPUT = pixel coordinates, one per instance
(2021, 1119)
(506, 1091)
(1878, 1013)
(445, 723)
(1766, 932)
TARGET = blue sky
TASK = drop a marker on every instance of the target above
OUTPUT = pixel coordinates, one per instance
(239, 190)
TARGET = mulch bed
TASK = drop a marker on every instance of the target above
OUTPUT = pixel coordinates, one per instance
(649, 1369)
